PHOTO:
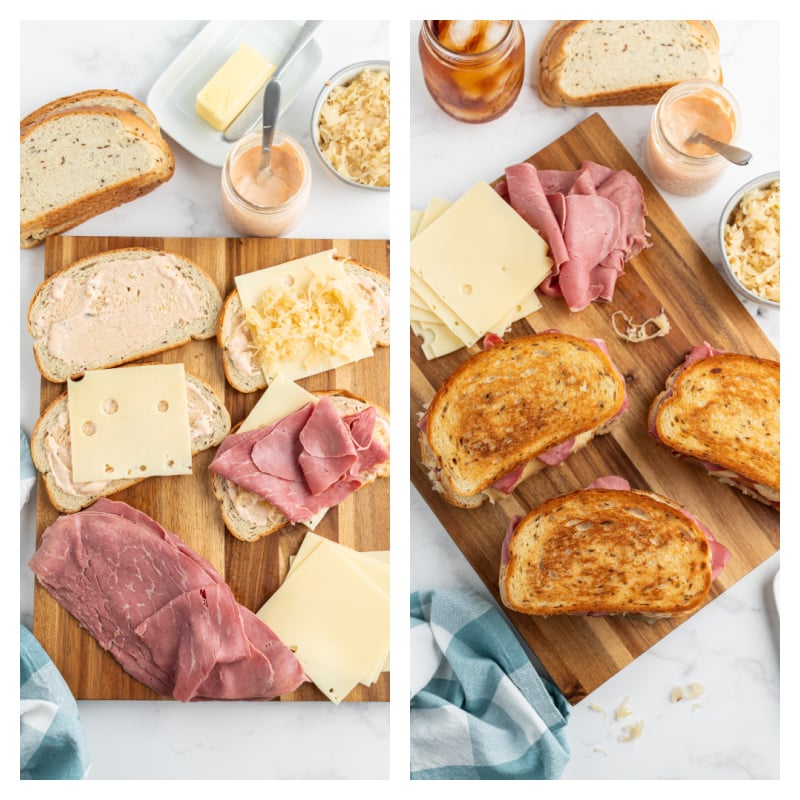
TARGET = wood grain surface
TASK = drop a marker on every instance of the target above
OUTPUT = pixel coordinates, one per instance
(185, 504)
(674, 274)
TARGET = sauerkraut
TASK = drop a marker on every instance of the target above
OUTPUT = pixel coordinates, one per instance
(354, 128)
(753, 241)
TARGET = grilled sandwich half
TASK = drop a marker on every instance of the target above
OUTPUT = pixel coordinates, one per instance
(722, 411)
(515, 408)
(609, 550)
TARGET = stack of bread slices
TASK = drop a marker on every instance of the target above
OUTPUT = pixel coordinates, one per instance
(85, 154)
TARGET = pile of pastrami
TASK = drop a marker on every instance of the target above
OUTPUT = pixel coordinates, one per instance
(305, 463)
(593, 219)
(160, 609)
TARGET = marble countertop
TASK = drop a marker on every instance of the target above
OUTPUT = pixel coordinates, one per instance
(731, 646)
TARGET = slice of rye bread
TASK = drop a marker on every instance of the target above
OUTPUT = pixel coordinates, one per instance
(606, 551)
(724, 409)
(239, 356)
(80, 162)
(234, 499)
(624, 62)
(507, 405)
(49, 307)
(108, 98)
(50, 445)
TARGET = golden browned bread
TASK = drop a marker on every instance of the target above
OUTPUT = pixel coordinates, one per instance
(249, 517)
(117, 306)
(239, 356)
(585, 62)
(78, 162)
(507, 405)
(209, 424)
(606, 551)
(724, 412)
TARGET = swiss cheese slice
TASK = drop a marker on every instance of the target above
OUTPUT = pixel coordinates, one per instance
(300, 337)
(479, 258)
(129, 422)
(335, 619)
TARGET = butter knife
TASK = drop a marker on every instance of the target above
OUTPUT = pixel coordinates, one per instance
(250, 116)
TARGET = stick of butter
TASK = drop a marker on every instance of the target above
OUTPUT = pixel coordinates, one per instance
(232, 87)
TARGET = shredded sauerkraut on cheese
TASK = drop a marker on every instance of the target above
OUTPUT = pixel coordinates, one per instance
(752, 241)
(354, 128)
(288, 325)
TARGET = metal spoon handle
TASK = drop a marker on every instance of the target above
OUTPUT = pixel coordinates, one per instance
(249, 117)
(736, 155)
(272, 102)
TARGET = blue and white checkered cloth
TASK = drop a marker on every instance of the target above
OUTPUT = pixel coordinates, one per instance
(52, 741)
(479, 709)
(27, 472)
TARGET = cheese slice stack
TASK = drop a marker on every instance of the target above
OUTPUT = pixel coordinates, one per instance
(332, 610)
(475, 265)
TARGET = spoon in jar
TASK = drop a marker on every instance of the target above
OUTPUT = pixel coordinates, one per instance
(272, 101)
(735, 155)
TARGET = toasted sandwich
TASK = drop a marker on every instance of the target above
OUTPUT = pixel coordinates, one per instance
(515, 408)
(722, 411)
(609, 550)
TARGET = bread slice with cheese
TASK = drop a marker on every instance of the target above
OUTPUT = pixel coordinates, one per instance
(118, 306)
(79, 162)
(239, 352)
(250, 517)
(515, 408)
(722, 411)
(209, 424)
(608, 551)
(584, 62)
(107, 98)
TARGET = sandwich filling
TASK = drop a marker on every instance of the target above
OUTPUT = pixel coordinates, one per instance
(305, 463)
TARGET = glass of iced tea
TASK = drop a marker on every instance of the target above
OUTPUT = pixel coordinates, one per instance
(473, 68)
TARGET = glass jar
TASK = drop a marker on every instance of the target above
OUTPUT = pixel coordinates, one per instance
(673, 163)
(473, 68)
(267, 207)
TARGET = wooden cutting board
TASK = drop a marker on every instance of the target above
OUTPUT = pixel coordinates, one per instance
(673, 274)
(185, 504)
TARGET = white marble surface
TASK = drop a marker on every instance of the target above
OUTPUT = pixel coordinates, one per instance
(147, 740)
(731, 646)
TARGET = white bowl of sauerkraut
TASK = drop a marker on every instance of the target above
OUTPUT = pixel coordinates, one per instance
(749, 240)
(350, 125)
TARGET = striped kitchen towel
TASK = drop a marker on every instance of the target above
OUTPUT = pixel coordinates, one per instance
(52, 742)
(479, 709)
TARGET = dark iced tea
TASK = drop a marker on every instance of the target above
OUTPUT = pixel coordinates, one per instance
(473, 68)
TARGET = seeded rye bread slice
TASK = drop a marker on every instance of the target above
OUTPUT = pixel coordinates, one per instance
(79, 162)
(109, 98)
(47, 434)
(245, 374)
(606, 551)
(507, 405)
(624, 62)
(724, 409)
(250, 531)
(47, 307)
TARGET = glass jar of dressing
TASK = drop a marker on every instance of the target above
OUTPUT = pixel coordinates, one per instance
(269, 205)
(673, 163)
(473, 69)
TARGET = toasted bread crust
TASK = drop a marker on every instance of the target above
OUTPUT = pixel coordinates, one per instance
(606, 551)
(725, 410)
(507, 405)
(654, 55)
(248, 530)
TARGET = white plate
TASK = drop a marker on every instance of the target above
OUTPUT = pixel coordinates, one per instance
(172, 96)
